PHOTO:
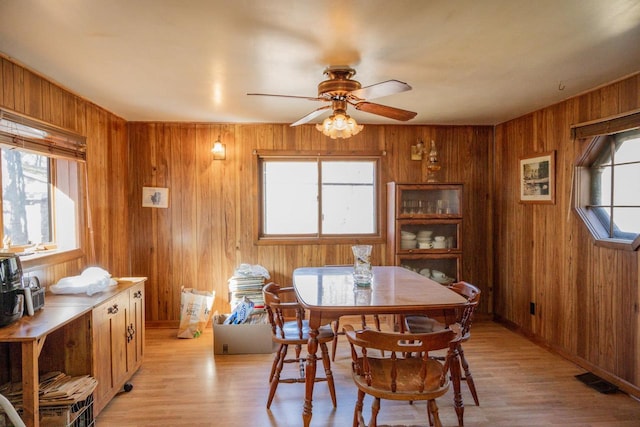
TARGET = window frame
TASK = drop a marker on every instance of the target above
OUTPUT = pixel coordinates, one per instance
(66, 153)
(377, 237)
(597, 134)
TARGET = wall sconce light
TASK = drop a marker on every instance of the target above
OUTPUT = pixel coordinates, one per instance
(219, 150)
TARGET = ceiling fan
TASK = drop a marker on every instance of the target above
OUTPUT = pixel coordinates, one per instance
(341, 90)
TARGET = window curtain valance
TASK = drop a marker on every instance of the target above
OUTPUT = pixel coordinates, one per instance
(26, 133)
(608, 126)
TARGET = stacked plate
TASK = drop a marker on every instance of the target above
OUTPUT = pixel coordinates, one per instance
(408, 240)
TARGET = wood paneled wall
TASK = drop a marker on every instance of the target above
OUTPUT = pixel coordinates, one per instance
(586, 296)
(207, 231)
(107, 238)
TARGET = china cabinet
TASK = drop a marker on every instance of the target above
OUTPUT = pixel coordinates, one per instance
(424, 231)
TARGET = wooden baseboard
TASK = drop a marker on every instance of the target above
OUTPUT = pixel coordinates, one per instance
(162, 324)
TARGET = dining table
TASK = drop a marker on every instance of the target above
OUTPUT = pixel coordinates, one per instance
(328, 293)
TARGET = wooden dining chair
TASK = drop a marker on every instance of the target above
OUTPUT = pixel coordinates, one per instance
(337, 332)
(290, 328)
(462, 327)
(398, 375)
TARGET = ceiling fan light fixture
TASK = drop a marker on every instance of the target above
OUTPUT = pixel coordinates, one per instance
(339, 125)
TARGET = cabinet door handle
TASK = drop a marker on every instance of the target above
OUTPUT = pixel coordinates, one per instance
(137, 294)
(113, 309)
(131, 331)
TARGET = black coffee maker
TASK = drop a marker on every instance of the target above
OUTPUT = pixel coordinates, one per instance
(11, 296)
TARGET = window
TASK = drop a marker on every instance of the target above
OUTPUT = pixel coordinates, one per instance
(608, 173)
(26, 201)
(615, 175)
(41, 170)
(323, 198)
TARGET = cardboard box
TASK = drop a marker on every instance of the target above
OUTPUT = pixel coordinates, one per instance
(241, 339)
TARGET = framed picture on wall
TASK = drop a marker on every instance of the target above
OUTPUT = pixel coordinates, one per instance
(537, 178)
(155, 197)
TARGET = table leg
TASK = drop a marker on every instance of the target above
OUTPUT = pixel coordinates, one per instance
(30, 384)
(310, 371)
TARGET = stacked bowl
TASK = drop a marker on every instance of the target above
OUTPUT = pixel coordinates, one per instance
(424, 239)
(408, 240)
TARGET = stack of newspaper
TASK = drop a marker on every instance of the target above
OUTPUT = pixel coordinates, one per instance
(249, 287)
(56, 389)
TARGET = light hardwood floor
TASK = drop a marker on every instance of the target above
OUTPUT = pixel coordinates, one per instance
(181, 383)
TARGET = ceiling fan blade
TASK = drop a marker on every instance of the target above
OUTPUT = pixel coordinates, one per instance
(312, 115)
(385, 111)
(379, 90)
(310, 98)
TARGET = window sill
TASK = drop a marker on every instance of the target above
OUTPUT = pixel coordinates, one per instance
(50, 257)
(290, 240)
(600, 236)
(619, 244)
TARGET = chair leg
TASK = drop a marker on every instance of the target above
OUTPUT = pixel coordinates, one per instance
(363, 320)
(375, 409)
(376, 320)
(454, 368)
(467, 376)
(282, 353)
(432, 408)
(336, 329)
(275, 363)
(358, 420)
(327, 371)
(298, 351)
(400, 323)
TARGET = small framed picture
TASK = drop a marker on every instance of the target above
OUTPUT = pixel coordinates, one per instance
(537, 178)
(155, 197)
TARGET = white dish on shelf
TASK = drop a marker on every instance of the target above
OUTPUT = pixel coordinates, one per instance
(443, 280)
(438, 274)
(408, 244)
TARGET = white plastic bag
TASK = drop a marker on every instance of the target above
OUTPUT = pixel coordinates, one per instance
(240, 313)
(92, 280)
(248, 270)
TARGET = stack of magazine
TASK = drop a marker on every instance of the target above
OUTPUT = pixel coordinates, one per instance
(249, 287)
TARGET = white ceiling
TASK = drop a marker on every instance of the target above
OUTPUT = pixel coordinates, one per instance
(468, 61)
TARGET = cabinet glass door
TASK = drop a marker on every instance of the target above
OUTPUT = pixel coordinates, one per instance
(439, 201)
(430, 236)
(443, 269)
